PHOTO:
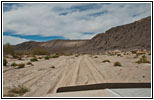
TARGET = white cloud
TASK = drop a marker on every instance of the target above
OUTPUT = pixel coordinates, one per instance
(44, 19)
(13, 40)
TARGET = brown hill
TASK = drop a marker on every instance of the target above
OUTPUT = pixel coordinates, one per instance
(136, 35)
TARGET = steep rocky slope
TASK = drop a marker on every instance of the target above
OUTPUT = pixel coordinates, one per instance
(136, 35)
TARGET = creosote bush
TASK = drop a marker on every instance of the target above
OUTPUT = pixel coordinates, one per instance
(106, 61)
(47, 57)
(119, 55)
(95, 57)
(14, 64)
(29, 63)
(52, 67)
(117, 64)
(5, 62)
(21, 65)
(143, 59)
(33, 59)
(54, 56)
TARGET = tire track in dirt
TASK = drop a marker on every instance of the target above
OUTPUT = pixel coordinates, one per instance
(42, 84)
(33, 77)
(96, 74)
(69, 75)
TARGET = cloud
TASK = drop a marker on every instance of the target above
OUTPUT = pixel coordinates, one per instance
(13, 40)
(70, 20)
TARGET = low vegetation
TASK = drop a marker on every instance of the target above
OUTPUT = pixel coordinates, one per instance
(16, 91)
(143, 59)
(119, 55)
(54, 56)
(29, 63)
(106, 61)
(39, 57)
(34, 59)
(52, 67)
(5, 62)
(95, 57)
(46, 57)
(8, 49)
(14, 64)
(134, 51)
(117, 64)
(22, 65)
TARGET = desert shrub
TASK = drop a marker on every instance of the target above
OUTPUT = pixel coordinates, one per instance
(119, 55)
(8, 49)
(117, 64)
(21, 65)
(40, 51)
(106, 61)
(52, 67)
(140, 53)
(33, 59)
(143, 59)
(95, 57)
(47, 57)
(14, 64)
(19, 58)
(29, 63)
(111, 53)
(76, 55)
(55, 56)
(39, 57)
(17, 91)
(5, 62)
(134, 51)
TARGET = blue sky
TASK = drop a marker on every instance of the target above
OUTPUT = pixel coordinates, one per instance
(46, 21)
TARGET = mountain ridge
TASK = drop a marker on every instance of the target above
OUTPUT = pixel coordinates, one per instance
(135, 35)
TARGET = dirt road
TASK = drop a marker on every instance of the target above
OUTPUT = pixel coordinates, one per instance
(43, 79)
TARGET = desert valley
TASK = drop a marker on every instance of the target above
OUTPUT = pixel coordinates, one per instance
(120, 55)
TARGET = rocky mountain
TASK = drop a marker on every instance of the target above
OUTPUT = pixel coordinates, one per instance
(136, 35)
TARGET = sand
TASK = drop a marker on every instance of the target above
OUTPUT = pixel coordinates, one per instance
(43, 80)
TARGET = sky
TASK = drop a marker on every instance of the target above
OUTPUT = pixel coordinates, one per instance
(47, 21)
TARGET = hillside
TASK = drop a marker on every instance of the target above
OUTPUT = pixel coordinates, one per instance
(136, 35)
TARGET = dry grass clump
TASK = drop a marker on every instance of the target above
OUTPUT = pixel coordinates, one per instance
(39, 57)
(117, 64)
(52, 67)
(106, 61)
(22, 65)
(34, 59)
(14, 64)
(5, 62)
(143, 59)
(77, 55)
(16, 91)
(111, 53)
(134, 51)
(55, 56)
(95, 57)
(29, 63)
